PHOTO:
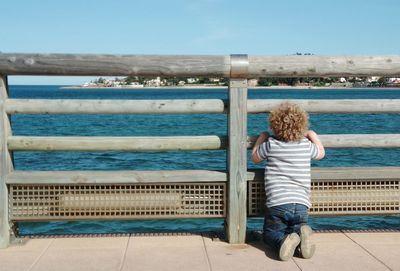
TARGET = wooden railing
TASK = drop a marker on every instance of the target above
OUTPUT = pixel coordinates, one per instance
(238, 68)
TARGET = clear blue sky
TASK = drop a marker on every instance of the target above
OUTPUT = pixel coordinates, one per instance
(259, 27)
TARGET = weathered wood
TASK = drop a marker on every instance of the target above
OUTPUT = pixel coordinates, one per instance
(46, 106)
(129, 144)
(179, 65)
(187, 176)
(180, 143)
(6, 165)
(331, 106)
(117, 65)
(353, 141)
(361, 141)
(115, 177)
(321, 66)
(237, 162)
(41, 106)
(340, 174)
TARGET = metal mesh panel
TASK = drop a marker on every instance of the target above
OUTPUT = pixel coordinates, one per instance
(338, 197)
(69, 202)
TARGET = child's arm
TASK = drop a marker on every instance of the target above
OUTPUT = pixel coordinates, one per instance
(313, 137)
(261, 139)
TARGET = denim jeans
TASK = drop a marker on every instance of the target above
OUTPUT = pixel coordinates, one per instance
(283, 220)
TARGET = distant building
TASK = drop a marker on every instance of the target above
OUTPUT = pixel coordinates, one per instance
(136, 84)
(153, 82)
(252, 82)
(192, 80)
(394, 80)
(373, 79)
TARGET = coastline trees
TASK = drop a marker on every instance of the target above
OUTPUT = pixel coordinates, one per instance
(264, 81)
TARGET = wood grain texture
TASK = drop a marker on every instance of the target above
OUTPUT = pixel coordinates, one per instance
(331, 106)
(237, 162)
(115, 177)
(6, 165)
(340, 174)
(321, 66)
(128, 144)
(74, 106)
(114, 65)
(197, 65)
(200, 106)
(353, 141)
(180, 143)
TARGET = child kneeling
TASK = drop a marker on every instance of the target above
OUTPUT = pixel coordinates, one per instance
(288, 153)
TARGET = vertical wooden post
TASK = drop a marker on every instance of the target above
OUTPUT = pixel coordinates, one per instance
(6, 164)
(237, 151)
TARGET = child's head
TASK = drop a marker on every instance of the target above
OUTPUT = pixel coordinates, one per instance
(288, 122)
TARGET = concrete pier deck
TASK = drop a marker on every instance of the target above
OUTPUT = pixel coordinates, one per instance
(335, 251)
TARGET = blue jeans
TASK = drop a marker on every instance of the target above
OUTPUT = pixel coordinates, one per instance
(283, 220)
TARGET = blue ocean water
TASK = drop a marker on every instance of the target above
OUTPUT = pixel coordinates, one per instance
(197, 124)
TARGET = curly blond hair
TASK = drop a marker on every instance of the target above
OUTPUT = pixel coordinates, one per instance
(288, 121)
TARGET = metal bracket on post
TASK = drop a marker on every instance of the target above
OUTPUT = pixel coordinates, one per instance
(237, 151)
(239, 66)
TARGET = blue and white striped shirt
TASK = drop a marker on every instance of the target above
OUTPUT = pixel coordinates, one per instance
(287, 173)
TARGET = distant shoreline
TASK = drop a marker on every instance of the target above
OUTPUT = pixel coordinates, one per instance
(129, 87)
(223, 87)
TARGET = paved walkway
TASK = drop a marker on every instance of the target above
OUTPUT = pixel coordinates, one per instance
(335, 251)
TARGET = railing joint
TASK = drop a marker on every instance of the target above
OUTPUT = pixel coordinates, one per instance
(239, 66)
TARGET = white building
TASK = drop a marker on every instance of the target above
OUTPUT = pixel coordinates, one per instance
(192, 80)
(394, 80)
(154, 82)
(252, 82)
(373, 79)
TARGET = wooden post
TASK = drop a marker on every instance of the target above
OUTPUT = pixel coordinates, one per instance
(6, 164)
(237, 151)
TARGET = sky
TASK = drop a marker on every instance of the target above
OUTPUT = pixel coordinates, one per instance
(216, 27)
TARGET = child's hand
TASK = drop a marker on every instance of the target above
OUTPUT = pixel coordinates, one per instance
(263, 137)
(310, 134)
(313, 137)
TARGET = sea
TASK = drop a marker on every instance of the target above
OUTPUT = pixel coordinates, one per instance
(192, 124)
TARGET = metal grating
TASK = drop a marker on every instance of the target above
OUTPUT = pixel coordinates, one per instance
(112, 201)
(338, 197)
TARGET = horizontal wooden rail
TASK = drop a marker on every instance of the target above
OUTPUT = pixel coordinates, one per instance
(114, 65)
(194, 65)
(331, 106)
(353, 141)
(128, 144)
(186, 176)
(340, 174)
(198, 106)
(180, 143)
(321, 66)
(46, 106)
(115, 177)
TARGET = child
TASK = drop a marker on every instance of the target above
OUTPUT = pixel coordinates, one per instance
(288, 179)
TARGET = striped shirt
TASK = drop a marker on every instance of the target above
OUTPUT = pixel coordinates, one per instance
(287, 173)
